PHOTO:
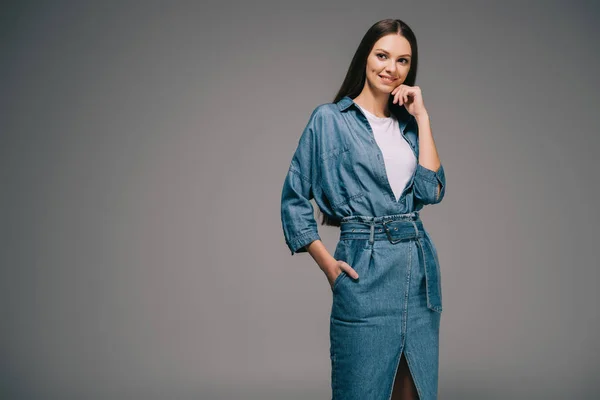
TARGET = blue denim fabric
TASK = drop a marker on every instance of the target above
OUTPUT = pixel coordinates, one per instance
(395, 305)
(339, 164)
(387, 311)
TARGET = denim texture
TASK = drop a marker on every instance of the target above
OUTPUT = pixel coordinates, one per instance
(339, 164)
(395, 305)
(392, 308)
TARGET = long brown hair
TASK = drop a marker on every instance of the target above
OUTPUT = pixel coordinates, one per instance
(356, 75)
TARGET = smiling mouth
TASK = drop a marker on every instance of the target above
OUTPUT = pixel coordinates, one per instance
(386, 79)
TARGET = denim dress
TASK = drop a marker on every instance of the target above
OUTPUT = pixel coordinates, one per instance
(395, 305)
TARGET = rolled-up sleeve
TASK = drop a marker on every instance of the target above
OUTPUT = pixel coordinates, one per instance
(297, 212)
(429, 185)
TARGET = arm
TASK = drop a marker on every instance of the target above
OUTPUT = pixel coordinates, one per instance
(323, 258)
(297, 212)
(430, 178)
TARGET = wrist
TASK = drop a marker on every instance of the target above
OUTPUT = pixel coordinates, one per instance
(422, 117)
(328, 265)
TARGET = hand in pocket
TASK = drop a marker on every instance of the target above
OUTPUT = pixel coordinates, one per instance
(339, 267)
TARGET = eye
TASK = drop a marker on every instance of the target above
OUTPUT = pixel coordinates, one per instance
(380, 54)
(404, 60)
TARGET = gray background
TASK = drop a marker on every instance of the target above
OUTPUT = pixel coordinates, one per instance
(143, 146)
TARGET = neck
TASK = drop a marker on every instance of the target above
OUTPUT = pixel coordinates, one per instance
(374, 102)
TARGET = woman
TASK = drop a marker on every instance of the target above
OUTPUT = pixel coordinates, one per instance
(370, 162)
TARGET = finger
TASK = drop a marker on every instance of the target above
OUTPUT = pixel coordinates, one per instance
(349, 270)
(413, 92)
(405, 95)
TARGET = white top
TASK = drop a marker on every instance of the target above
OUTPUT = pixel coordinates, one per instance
(400, 161)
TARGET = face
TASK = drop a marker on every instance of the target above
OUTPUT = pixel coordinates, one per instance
(388, 63)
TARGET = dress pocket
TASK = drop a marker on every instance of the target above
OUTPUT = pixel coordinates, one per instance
(341, 276)
(339, 180)
(341, 253)
(350, 251)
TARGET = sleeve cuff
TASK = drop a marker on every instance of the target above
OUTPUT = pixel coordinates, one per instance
(430, 175)
(297, 245)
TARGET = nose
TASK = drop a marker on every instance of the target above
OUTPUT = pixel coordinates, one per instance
(391, 68)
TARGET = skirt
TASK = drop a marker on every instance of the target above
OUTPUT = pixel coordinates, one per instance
(394, 306)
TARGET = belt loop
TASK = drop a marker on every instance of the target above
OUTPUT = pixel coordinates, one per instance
(372, 236)
(416, 229)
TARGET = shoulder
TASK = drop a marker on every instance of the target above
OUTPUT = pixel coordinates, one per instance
(321, 117)
(328, 127)
(325, 110)
(316, 124)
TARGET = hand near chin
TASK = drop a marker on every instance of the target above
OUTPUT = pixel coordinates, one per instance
(410, 97)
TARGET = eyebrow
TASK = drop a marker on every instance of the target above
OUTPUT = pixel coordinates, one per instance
(386, 52)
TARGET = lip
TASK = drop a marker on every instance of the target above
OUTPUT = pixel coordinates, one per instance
(387, 79)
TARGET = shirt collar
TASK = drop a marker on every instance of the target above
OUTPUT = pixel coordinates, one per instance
(403, 116)
(344, 103)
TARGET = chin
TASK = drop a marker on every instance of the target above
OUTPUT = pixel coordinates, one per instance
(386, 88)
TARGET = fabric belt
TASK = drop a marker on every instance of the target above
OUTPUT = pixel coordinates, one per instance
(398, 228)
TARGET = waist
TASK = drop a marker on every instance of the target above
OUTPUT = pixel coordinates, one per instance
(395, 227)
